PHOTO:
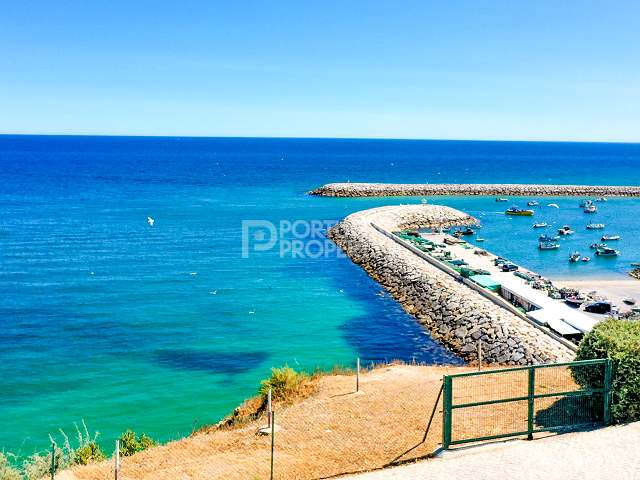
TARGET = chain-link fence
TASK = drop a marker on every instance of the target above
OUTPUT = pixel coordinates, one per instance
(522, 401)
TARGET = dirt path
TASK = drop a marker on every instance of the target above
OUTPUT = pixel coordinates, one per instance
(606, 453)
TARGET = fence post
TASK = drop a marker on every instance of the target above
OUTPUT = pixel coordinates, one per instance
(269, 409)
(446, 412)
(608, 378)
(530, 402)
(117, 460)
(357, 374)
(479, 355)
(273, 440)
(53, 460)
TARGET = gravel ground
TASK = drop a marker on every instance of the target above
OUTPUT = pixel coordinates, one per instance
(606, 453)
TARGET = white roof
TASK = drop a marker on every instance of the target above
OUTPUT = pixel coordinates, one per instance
(562, 328)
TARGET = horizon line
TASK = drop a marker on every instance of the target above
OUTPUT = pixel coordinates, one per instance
(277, 137)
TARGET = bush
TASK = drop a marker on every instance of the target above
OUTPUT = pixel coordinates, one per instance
(7, 471)
(618, 340)
(131, 443)
(89, 452)
(285, 383)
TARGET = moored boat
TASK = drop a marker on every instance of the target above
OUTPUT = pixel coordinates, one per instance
(606, 238)
(601, 199)
(574, 257)
(595, 226)
(501, 199)
(595, 246)
(629, 301)
(566, 230)
(585, 259)
(540, 225)
(590, 209)
(519, 211)
(533, 203)
(607, 252)
(548, 245)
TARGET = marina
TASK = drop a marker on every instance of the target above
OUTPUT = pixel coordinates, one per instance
(528, 292)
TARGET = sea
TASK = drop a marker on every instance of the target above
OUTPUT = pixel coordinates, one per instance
(151, 282)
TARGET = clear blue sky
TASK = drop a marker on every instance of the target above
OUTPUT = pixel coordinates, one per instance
(555, 70)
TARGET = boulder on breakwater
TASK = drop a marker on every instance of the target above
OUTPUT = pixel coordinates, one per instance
(454, 314)
(428, 189)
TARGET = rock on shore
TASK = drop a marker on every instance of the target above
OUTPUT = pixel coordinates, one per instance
(452, 312)
(411, 189)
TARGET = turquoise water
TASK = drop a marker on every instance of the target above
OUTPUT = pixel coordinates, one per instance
(165, 328)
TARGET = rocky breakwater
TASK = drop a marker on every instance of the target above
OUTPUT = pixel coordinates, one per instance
(454, 314)
(427, 189)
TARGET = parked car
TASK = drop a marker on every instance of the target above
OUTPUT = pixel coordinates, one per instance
(509, 267)
(598, 307)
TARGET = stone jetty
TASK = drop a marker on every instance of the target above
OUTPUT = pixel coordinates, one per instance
(454, 314)
(435, 189)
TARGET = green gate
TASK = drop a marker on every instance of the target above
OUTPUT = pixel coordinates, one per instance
(493, 404)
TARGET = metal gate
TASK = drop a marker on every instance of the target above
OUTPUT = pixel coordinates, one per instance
(493, 404)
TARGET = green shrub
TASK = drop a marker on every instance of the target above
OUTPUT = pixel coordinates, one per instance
(7, 471)
(131, 443)
(285, 383)
(89, 452)
(618, 340)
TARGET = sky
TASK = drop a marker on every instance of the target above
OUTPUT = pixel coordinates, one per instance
(512, 70)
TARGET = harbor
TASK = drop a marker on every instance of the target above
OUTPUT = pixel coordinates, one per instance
(528, 292)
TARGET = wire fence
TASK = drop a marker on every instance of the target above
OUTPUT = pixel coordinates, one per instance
(360, 421)
(522, 401)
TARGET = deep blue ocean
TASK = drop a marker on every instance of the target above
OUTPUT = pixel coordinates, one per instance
(164, 328)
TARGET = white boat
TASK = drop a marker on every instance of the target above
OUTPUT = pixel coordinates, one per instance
(548, 245)
(540, 225)
(595, 226)
(590, 209)
(533, 203)
(607, 252)
(607, 238)
(502, 199)
(585, 259)
(566, 230)
(601, 199)
(574, 257)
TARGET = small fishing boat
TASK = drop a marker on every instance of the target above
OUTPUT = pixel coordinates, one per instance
(635, 264)
(519, 211)
(566, 230)
(585, 203)
(478, 239)
(533, 203)
(590, 209)
(502, 199)
(601, 199)
(629, 301)
(540, 225)
(548, 245)
(595, 246)
(608, 238)
(574, 257)
(595, 226)
(585, 259)
(607, 252)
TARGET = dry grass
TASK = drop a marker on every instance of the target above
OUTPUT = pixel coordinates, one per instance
(333, 431)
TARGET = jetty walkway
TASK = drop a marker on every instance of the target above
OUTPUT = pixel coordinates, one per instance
(441, 189)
